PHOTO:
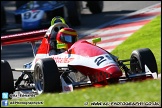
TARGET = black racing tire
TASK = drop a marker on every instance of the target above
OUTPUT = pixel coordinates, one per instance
(140, 57)
(95, 6)
(74, 13)
(3, 18)
(7, 80)
(50, 76)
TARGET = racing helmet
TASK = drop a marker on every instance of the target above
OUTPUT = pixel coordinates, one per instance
(68, 36)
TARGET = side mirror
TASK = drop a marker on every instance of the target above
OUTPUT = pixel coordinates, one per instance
(96, 40)
(61, 46)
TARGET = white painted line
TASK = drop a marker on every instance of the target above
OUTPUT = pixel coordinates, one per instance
(154, 10)
(147, 9)
(102, 32)
(115, 43)
(112, 37)
(117, 36)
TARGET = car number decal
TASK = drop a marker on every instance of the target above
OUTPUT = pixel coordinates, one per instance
(101, 59)
(32, 15)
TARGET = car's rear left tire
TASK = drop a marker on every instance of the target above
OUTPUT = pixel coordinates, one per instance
(46, 76)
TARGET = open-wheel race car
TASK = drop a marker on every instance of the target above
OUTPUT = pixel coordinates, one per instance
(83, 64)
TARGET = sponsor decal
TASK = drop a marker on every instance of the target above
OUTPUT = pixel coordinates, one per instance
(62, 60)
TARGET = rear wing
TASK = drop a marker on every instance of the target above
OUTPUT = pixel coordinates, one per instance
(30, 37)
(23, 37)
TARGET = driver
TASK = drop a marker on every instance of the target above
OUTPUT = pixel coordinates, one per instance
(67, 36)
(61, 33)
(57, 23)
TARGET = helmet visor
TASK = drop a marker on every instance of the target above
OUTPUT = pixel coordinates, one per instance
(69, 39)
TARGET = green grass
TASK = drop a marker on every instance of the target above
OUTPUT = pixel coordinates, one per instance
(147, 91)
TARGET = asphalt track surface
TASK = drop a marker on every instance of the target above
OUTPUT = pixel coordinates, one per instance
(19, 54)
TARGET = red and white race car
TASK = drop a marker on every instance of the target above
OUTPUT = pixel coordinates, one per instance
(83, 64)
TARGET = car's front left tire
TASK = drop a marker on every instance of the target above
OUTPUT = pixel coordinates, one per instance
(46, 76)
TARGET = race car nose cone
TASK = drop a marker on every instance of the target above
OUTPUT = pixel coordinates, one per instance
(114, 71)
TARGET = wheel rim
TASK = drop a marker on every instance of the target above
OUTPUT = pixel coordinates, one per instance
(135, 68)
(39, 81)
